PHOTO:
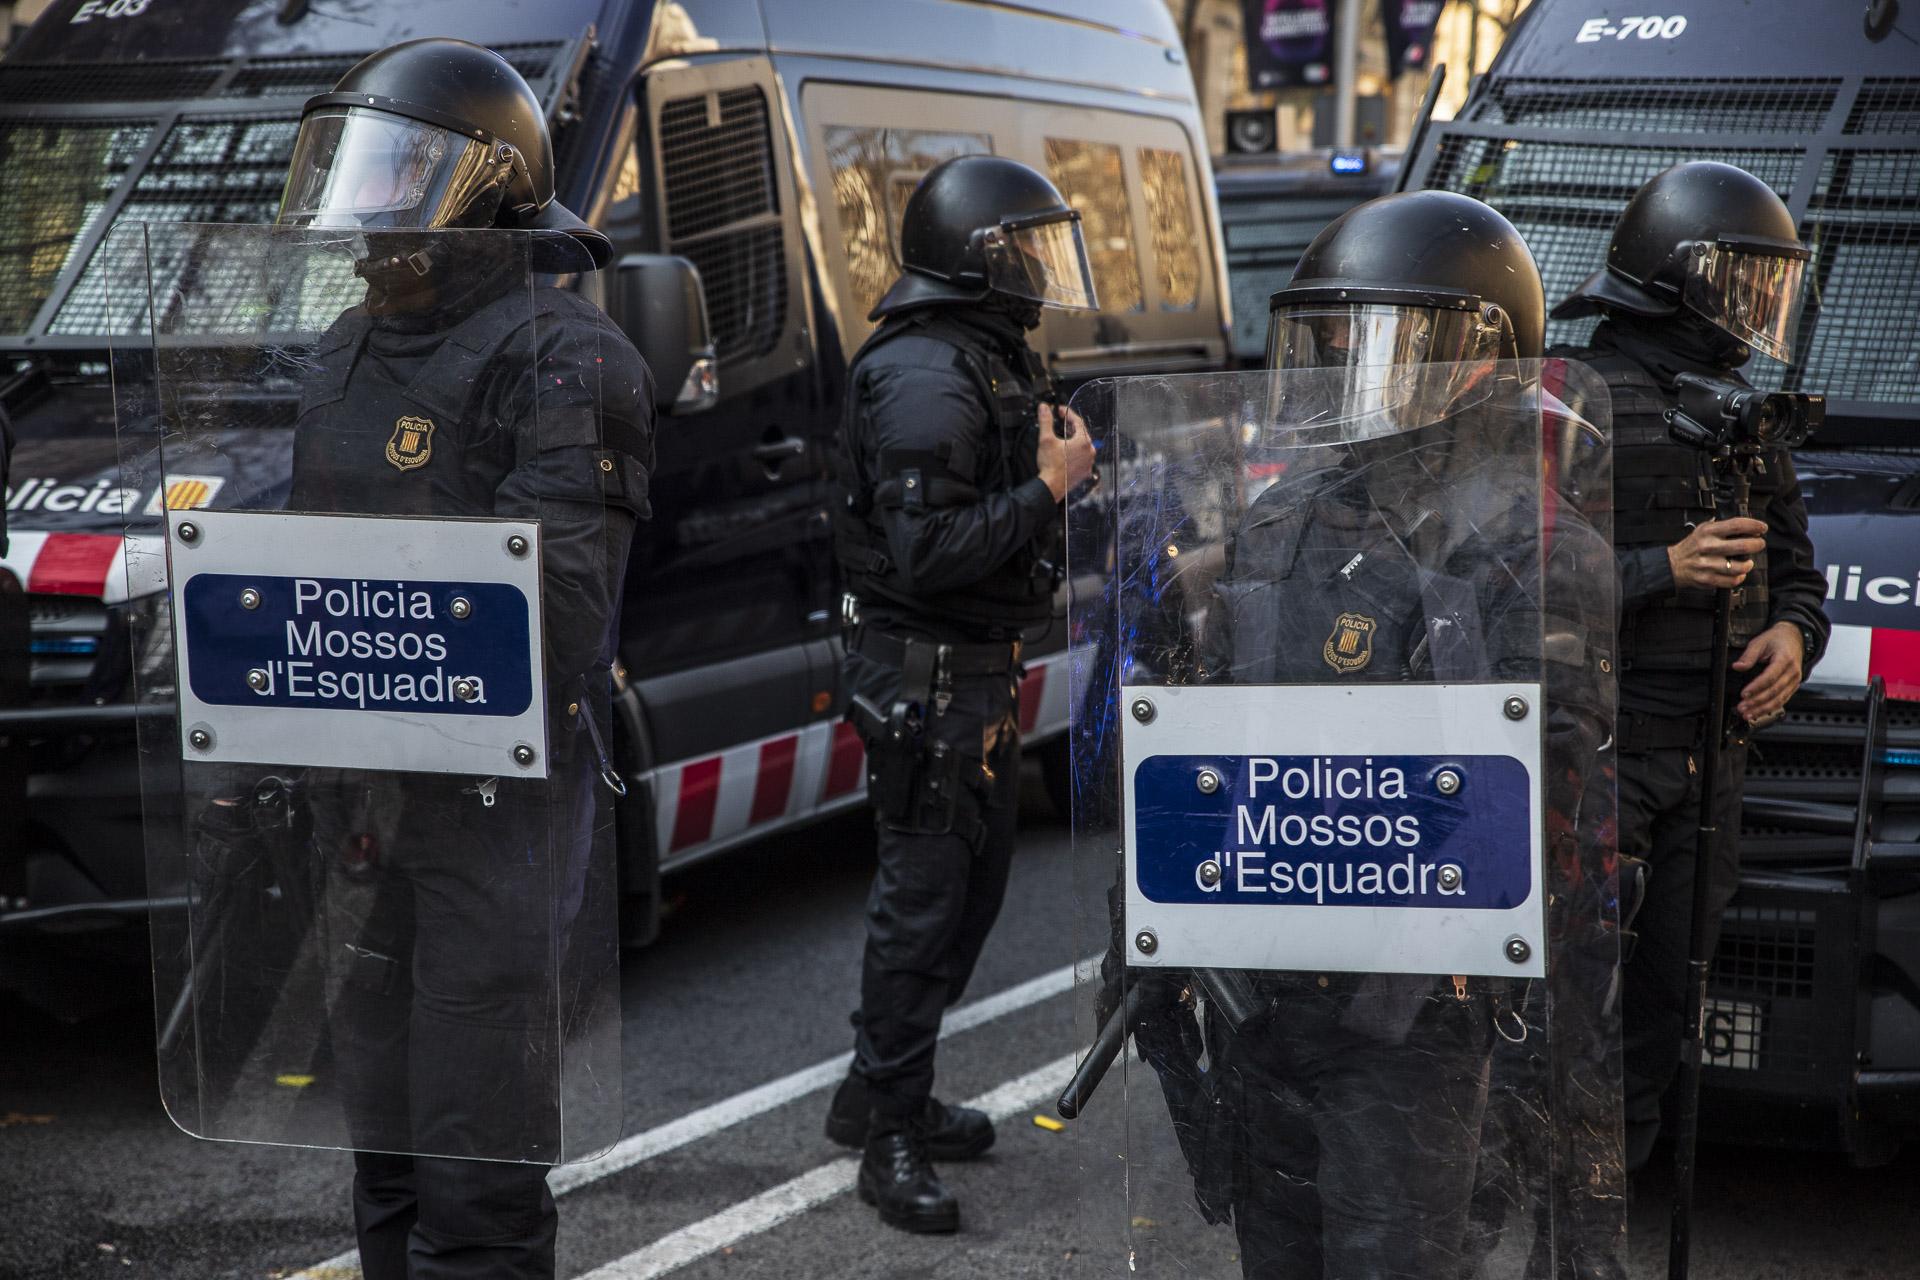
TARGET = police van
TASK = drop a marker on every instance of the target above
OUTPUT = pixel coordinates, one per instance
(1814, 1014)
(750, 162)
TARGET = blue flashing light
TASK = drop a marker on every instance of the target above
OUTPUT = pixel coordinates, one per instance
(1903, 758)
(1348, 162)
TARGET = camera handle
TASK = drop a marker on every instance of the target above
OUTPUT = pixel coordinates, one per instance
(1737, 465)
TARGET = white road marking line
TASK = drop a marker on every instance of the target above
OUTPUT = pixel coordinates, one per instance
(704, 1123)
(817, 1186)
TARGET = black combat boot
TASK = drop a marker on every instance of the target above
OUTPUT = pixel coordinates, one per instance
(896, 1179)
(951, 1133)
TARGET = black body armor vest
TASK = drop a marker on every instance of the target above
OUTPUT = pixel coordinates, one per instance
(1660, 491)
(1010, 599)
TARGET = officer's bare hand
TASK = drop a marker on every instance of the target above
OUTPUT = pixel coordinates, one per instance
(1064, 464)
(1718, 554)
(1777, 658)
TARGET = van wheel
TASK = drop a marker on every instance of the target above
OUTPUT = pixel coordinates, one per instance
(1056, 771)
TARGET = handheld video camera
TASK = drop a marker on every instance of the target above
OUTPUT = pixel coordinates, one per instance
(1725, 415)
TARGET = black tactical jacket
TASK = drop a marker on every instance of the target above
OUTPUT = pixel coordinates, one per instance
(533, 411)
(943, 526)
(1661, 490)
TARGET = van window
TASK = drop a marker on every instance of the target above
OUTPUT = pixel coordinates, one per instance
(722, 212)
(1176, 251)
(874, 170)
(1093, 178)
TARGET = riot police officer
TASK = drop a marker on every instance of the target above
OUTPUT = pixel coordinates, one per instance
(448, 393)
(1344, 1136)
(952, 467)
(1703, 269)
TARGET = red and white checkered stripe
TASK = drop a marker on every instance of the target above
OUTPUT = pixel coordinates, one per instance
(96, 565)
(759, 787)
(1856, 654)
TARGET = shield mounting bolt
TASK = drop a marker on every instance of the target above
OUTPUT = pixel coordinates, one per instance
(465, 689)
(249, 599)
(1146, 942)
(523, 756)
(200, 739)
(1446, 782)
(461, 608)
(1517, 950)
(1208, 781)
(517, 545)
(1143, 710)
(1209, 873)
(257, 680)
(189, 532)
(1450, 879)
(1516, 708)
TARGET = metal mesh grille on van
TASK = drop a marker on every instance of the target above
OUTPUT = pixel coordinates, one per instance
(1862, 331)
(1703, 106)
(204, 171)
(63, 173)
(1564, 198)
(1859, 336)
(1886, 106)
(59, 178)
(722, 209)
(134, 82)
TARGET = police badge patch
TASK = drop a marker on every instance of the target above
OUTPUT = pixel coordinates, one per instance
(1350, 647)
(412, 443)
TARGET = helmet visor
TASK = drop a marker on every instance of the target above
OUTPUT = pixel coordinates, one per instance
(1387, 368)
(372, 170)
(1753, 295)
(1046, 262)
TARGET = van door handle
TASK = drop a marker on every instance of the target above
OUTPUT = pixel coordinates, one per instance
(775, 452)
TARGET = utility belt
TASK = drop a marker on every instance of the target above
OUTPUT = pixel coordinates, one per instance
(975, 658)
(1636, 731)
(915, 776)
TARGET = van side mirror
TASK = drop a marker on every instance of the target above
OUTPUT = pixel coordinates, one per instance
(657, 300)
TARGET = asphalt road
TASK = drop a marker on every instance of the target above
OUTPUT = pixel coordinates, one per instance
(733, 1025)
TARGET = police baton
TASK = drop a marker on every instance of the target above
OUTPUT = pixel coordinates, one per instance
(1228, 990)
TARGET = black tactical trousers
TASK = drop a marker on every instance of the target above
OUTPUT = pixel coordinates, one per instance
(428, 1218)
(441, 940)
(935, 895)
(1356, 1153)
(1659, 816)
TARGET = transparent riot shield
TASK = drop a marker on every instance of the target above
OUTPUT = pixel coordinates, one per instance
(374, 566)
(1345, 819)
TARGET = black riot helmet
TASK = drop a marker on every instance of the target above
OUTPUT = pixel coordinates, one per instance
(1416, 296)
(986, 224)
(1709, 237)
(432, 134)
